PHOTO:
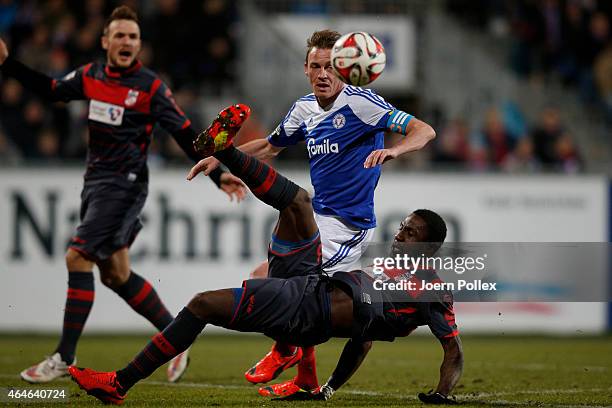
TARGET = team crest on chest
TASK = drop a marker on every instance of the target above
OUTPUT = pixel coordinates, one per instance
(131, 98)
(338, 121)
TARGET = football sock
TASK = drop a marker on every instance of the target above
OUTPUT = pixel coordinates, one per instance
(307, 370)
(141, 296)
(163, 347)
(79, 300)
(285, 349)
(269, 186)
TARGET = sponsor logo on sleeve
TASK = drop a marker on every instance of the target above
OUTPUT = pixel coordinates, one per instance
(276, 132)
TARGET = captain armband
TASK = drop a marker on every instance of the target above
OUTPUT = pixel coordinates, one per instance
(398, 121)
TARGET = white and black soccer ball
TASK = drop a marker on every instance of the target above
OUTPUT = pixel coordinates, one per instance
(358, 58)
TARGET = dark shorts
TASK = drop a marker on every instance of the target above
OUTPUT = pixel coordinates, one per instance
(109, 218)
(296, 310)
(288, 259)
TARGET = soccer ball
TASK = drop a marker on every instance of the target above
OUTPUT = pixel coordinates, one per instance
(358, 58)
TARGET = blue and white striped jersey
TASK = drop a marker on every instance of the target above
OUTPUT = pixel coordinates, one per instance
(339, 138)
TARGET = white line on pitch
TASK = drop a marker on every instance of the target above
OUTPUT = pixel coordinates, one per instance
(469, 397)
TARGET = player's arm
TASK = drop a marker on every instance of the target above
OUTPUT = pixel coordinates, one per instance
(452, 365)
(442, 325)
(261, 149)
(224, 180)
(352, 356)
(415, 135)
(39, 83)
(172, 118)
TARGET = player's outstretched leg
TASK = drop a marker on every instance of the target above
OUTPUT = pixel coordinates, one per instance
(294, 250)
(266, 183)
(142, 297)
(295, 245)
(214, 307)
(144, 300)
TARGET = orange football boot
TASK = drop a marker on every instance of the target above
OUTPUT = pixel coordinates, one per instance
(103, 386)
(272, 365)
(220, 134)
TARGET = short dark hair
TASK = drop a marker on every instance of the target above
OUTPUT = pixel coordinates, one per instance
(436, 227)
(324, 39)
(121, 13)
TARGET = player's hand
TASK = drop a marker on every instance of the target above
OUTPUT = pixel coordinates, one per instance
(435, 398)
(233, 187)
(205, 166)
(3, 51)
(378, 157)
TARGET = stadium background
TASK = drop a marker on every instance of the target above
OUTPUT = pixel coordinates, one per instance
(519, 93)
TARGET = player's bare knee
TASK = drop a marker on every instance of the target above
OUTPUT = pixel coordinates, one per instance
(71, 259)
(75, 261)
(302, 203)
(201, 305)
(113, 278)
(110, 281)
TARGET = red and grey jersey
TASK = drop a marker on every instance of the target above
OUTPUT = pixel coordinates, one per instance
(124, 106)
(387, 314)
(406, 309)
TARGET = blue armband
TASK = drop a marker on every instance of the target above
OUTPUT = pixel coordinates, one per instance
(398, 121)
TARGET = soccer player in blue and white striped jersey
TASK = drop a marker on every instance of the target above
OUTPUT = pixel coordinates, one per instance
(343, 127)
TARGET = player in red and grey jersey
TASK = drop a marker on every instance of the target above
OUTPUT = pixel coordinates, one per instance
(126, 100)
(303, 310)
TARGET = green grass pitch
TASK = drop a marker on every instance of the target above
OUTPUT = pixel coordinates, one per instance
(499, 371)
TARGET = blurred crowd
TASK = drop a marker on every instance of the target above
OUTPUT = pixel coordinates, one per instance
(337, 6)
(191, 44)
(505, 142)
(568, 40)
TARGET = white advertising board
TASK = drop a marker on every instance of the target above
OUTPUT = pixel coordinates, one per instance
(195, 240)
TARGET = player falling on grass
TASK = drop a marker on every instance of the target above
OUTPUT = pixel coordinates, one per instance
(343, 127)
(125, 101)
(304, 310)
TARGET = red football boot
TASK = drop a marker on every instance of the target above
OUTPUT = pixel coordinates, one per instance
(221, 132)
(272, 365)
(283, 389)
(103, 386)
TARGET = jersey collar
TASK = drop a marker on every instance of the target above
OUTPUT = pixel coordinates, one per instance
(330, 106)
(120, 72)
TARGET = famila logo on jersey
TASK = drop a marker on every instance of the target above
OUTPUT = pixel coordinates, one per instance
(321, 148)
